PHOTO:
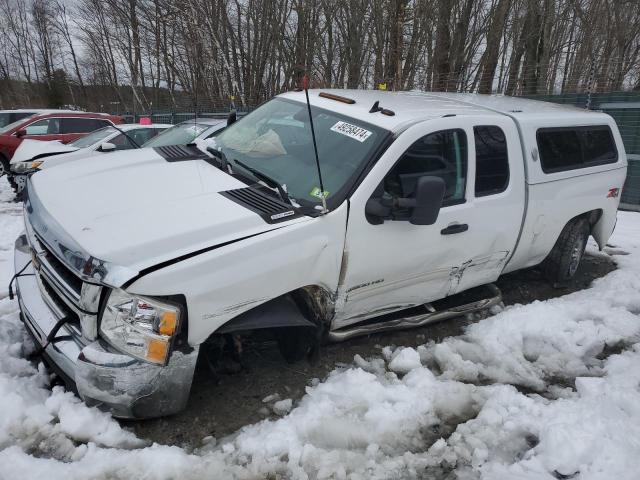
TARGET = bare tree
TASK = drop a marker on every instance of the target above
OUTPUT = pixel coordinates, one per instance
(170, 53)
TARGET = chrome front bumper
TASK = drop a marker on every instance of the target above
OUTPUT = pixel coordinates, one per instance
(102, 376)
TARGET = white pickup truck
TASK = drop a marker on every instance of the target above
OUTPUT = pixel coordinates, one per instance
(146, 260)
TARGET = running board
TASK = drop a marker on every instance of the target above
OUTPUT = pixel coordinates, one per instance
(433, 314)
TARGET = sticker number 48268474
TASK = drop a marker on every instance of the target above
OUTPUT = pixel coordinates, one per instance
(352, 131)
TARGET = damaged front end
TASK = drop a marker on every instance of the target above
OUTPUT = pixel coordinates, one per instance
(138, 366)
(131, 388)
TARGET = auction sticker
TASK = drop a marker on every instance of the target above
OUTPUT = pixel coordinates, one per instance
(352, 131)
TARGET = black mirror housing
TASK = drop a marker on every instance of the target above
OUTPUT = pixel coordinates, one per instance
(375, 211)
(428, 200)
(232, 117)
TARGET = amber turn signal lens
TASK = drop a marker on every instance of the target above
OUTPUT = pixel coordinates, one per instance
(157, 350)
(168, 323)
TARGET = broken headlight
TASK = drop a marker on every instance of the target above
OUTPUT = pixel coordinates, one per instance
(140, 326)
(26, 167)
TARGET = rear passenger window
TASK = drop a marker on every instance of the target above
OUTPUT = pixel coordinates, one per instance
(599, 146)
(492, 161)
(440, 154)
(82, 125)
(575, 147)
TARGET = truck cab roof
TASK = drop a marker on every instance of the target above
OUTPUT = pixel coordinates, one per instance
(413, 107)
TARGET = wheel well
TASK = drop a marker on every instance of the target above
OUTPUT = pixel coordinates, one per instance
(592, 216)
(306, 306)
(316, 303)
(297, 321)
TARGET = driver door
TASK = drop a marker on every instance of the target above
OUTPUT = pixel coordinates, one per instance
(395, 265)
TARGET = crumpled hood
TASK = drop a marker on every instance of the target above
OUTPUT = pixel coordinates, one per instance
(30, 149)
(135, 209)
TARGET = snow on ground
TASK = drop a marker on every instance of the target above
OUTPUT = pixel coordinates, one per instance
(541, 391)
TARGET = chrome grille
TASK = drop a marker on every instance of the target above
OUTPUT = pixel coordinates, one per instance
(66, 294)
(55, 265)
(59, 306)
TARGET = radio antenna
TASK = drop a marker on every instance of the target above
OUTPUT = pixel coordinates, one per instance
(196, 81)
(305, 86)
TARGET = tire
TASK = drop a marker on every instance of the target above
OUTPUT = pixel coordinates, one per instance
(562, 263)
(295, 343)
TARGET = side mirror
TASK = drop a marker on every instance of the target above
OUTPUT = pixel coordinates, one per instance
(21, 133)
(233, 116)
(428, 200)
(106, 147)
(377, 210)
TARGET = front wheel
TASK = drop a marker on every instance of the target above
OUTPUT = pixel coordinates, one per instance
(562, 263)
(295, 343)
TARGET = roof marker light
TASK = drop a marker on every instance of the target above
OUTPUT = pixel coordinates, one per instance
(337, 98)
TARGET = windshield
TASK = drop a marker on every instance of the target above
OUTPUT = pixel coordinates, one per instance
(276, 140)
(93, 137)
(180, 134)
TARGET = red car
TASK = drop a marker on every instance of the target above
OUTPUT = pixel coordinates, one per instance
(64, 126)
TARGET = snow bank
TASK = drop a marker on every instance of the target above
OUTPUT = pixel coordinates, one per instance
(532, 392)
(405, 360)
(10, 228)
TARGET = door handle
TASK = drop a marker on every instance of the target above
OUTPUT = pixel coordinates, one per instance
(455, 228)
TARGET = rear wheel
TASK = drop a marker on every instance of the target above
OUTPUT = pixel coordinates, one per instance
(562, 263)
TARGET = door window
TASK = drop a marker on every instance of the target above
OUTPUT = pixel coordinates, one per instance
(122, 142)
(492, 160)
(143, 135)
(441, 154)
(47, 126)
(134, 138)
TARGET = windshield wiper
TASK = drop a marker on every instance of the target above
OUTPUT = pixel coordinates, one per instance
(219, 154)
(268, 180)
(131, 140)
